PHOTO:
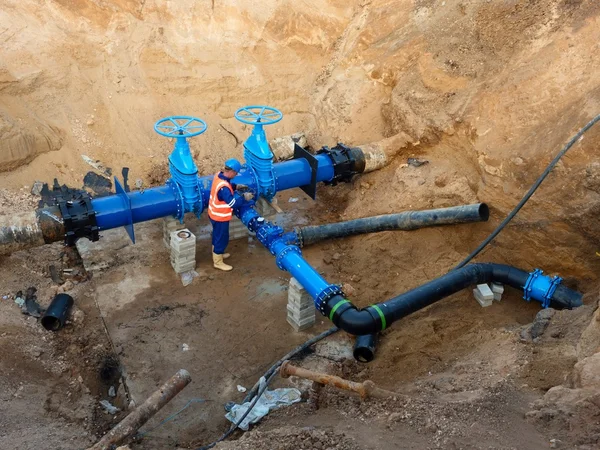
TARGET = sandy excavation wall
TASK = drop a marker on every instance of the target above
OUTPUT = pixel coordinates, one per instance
(487, 91)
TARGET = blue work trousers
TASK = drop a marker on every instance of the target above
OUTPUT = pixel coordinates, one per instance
(220, 236)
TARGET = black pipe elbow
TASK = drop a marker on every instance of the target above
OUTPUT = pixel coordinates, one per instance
(351, 319)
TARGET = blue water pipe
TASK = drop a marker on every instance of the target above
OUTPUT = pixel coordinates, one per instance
(186, 192)
(288, 255)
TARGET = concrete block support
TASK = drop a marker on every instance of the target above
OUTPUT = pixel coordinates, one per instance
(170, 224)
(183, 250)
(484, 295)
(498, 290)
(300, 307)
(237, 230)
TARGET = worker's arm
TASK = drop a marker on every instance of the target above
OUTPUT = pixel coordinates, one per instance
(233, 200)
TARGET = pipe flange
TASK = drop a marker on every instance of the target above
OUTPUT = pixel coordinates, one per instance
(529, 283)
(299, 237)
(200, 203)
(556, 280)
(325, 295)
(283, 253)
(179, 197)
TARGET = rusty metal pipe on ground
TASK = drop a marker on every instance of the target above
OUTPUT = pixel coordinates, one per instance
(30, 229)
(134, 421)
(365, 389)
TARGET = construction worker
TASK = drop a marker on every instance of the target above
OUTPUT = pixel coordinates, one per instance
(223, 200)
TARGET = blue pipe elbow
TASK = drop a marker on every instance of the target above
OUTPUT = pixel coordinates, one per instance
(540, 287)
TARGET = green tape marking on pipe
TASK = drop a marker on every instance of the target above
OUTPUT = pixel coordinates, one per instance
(381, 316)
(334, 309)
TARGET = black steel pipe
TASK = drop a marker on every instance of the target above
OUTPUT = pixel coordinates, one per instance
(377, 317)
(55, 316)
(364, 347)
(406, 221)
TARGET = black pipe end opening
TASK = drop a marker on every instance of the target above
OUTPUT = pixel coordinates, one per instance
(51, 323)
(364, 348)
(56, 315)
(484, 212)
(364, 354)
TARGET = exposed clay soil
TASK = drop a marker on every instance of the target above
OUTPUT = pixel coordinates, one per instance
(487, 92)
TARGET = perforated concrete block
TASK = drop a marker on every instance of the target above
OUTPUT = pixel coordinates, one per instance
(182, 239)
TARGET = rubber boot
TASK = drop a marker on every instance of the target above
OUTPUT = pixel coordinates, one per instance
(224, 255)
(219, 264)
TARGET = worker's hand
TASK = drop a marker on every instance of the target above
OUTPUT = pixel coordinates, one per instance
(241, 187)
(248, 196)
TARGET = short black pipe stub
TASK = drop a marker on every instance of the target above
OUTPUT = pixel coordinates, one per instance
(55, 316)
(364, 347)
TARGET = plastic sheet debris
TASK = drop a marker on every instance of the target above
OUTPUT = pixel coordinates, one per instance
(241, 388)
(293, 199)
(37, 187)
(416, 162)
(109, 407)
(97, 165)
(29, 304)
(188, 277)
(268, 401)
(112, 392)
(19, 299)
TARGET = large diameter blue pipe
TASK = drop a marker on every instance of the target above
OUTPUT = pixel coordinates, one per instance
(297, 172)
(112, 212)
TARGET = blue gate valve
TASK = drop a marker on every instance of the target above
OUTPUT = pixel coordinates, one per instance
(184, 173)
(257, 152)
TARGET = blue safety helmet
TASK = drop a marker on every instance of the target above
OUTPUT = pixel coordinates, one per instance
(233, 164)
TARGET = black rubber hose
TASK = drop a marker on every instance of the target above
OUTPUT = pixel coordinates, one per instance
(364, 347)
(410, 220)
(55, 316)
(527, 196)
(239, 422)
(288, 356)
(377, 317)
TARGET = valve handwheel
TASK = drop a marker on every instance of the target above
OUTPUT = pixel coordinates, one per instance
(180, 126)
(258, 115)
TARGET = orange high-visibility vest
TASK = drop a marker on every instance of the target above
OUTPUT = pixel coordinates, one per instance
(218, 210)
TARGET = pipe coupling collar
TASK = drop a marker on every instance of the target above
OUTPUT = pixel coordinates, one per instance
(540, 287)
(327, 294)
(282, 255)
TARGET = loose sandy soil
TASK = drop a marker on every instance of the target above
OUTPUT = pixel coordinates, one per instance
(487, 92)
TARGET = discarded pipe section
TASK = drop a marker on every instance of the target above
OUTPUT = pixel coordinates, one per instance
(406, 221)
(55, 316)
(365, 389)
(134, 421)
(377, 317)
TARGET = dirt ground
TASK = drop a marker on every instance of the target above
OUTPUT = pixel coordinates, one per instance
(486, 92)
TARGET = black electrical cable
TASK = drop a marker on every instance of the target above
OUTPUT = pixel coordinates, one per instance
(234, 426)
(269, 375)
(527, 196)
(290, 355)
